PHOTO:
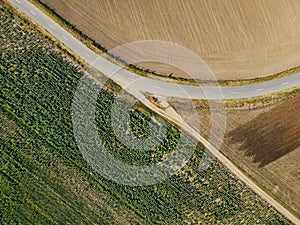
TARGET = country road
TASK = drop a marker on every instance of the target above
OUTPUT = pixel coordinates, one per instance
(148, 84)
(168, 89)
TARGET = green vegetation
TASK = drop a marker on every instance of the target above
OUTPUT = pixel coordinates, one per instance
(45, 180)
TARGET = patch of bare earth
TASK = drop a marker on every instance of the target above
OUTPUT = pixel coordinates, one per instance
(238, 39)
(270, 135)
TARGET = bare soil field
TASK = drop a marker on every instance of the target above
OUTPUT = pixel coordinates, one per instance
(238, 39)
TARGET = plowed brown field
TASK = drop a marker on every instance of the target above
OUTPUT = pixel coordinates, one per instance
(267, 146)
(237, 38)
(270, 135)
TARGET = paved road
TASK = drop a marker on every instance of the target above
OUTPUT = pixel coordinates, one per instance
(147, 84)
(169, 89)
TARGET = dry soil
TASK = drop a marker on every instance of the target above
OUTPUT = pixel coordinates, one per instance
(238, 39)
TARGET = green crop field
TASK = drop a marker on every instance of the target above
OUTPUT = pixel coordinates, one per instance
(43, 176)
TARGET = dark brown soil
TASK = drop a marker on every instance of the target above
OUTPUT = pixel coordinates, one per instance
(270, 135)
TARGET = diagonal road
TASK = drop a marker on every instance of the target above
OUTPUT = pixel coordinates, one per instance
(157, 87)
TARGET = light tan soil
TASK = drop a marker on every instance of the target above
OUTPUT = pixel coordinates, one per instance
(238, 39)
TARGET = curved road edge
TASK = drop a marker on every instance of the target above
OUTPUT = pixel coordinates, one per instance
(148, 84)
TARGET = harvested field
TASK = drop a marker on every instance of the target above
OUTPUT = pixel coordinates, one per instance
(239, 39)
